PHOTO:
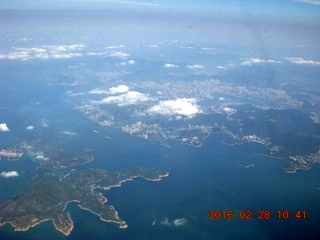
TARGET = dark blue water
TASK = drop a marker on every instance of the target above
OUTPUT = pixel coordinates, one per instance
(200, 179)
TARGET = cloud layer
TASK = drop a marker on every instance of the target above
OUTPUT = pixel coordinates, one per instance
(195, 66)
(294, 60)
(181, 106)
(316, 2)
(44, 52)
(251, 61)
(302, 61)
(119, 54)
(114, 46)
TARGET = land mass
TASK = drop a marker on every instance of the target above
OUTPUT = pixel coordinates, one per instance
(10, 154)
(46, 198)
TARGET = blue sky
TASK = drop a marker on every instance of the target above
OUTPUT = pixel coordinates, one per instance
(273, 13)
(275, 8)
(159, 3)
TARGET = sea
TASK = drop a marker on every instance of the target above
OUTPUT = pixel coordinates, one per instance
(200, 180)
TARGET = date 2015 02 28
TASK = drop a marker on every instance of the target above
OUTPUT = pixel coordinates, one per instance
(259, 214)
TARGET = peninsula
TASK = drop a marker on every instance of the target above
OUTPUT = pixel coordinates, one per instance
(46, 198)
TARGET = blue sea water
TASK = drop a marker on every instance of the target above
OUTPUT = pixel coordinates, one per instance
(200, 179)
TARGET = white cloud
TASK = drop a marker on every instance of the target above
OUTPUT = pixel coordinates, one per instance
(171, 65)
(40, 156)
(68, 133)
(128, 98)
(316, 2)
(44, 52)
(181, 106)
(65, 48)
(250, 61)
(229, 111)
(166, 222)
(114, 46)
(221, 67)
(119, 54)
(113, 90)
(130, 62)
(208, 49)
(185, 47)
(9, 174)
(179, 222)
(4, 127)
(195, 66)
(70, 93)
(153, 46)
(30, 127)
(99, 91)
(64, 55)
(302, 61)
(119, 89)
(44, 123)
(97, 53)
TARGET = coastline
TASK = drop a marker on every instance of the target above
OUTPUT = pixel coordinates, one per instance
(159, 178)
(296, 169)
(102, 199)
(20, 229)
(122, 223)
(131, 179)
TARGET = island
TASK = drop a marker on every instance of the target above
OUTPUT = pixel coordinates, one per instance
(46, 197)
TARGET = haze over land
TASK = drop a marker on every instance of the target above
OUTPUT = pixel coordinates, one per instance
(217, 99)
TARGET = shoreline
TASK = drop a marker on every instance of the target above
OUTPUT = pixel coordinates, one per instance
(19, 229)
(131, 179)
(296, 169)
(122, 223)
(159, 178)
(101, 198)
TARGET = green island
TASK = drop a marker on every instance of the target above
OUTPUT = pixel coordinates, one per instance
(46, 197)
(54, 185)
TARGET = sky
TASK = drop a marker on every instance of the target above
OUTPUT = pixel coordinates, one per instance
(309, 9)
(205, 4)
(274, 20)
